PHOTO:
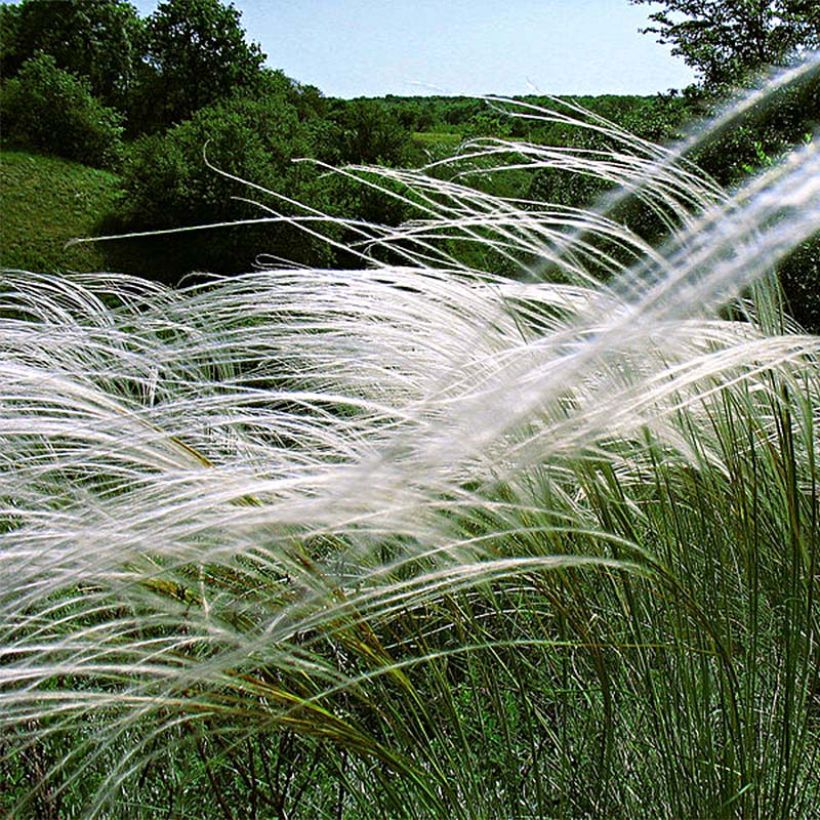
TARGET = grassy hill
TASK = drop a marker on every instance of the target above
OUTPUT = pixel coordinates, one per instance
(46, 201)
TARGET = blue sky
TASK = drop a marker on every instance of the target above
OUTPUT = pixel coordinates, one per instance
(373, 47)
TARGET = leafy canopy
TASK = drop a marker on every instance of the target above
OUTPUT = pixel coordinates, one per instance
(95, 39)
(197, 53)
(725, 40)
(52, 110)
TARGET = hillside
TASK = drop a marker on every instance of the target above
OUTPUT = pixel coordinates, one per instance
(46, 201)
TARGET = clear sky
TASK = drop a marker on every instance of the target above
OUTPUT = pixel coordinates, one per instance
(354, 48)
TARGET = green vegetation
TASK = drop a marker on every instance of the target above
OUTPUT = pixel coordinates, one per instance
(496, 497)
(53, 111)
(427, 139)
(252, 122)
(98, 40)
(423, 541)
(727, 41)
(195, 54)
(47, 201)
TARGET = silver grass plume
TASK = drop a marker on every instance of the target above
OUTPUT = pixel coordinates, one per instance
(203, 489)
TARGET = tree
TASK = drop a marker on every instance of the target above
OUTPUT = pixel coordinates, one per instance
(369, 134)
(196, 54)
(168, 183)
(47, 108)
(94, 39)
(726, 40)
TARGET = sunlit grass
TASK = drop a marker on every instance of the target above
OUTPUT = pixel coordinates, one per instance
(418, 540)
(46, 201)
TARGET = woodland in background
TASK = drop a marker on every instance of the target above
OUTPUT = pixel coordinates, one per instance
(160, 102)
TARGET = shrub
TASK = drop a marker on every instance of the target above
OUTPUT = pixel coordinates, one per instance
(167, 177)
(778, 121)
(169, 183)
(49, 109)
(94, 39)
(170, 180)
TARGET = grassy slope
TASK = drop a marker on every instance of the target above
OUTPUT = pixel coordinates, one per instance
(46, 201)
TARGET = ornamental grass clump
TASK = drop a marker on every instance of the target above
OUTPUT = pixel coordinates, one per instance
(419, 539)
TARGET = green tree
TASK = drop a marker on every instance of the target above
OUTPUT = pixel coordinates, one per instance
(368, 133)
(168, 180)
(726, 40)
(168, 183)
(196, 54)
(94, 39)
(47, 108)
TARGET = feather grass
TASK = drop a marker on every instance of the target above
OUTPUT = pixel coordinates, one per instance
(471, 545)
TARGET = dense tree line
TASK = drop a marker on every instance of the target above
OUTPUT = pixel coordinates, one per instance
(156, 71)
(161, 99)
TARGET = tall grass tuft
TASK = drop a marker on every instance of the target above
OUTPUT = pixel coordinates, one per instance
(420, 539)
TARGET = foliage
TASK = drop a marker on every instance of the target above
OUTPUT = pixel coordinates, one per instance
(171, 179)
(728, 43)
(800, 277)
(169, 184)
(187, 54)
(167, 177)
(763, 132)
(94, 39)
(196, 54)
(50, 109)
(764, 135)
(726, 40)
(367, 133)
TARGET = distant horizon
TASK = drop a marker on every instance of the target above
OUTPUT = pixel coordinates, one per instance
(368, 48)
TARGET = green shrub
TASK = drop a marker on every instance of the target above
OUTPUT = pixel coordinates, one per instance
(170, 180)
(370, 134)
(94, 39)
(761, 133)
(52, 110)
(167, 177)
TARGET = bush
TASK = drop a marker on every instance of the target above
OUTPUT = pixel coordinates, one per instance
(50, 109)
(167, 176)
(169, 184)
(370, 134)
(94, 39)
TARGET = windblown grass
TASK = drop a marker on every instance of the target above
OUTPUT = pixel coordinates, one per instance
(419, 540)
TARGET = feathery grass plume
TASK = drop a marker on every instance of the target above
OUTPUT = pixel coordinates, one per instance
(419, 538)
